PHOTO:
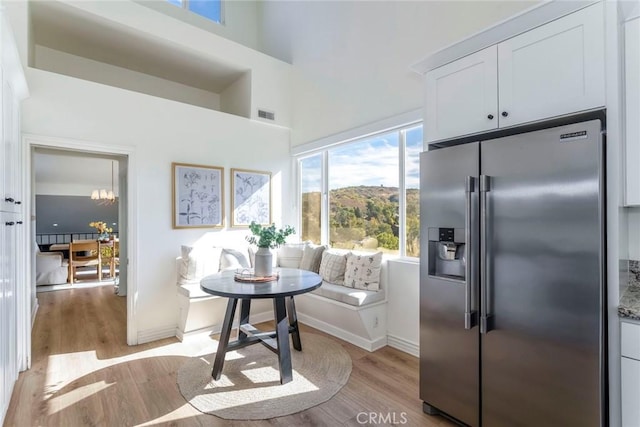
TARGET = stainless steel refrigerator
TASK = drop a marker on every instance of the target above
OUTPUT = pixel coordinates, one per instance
(512, 269)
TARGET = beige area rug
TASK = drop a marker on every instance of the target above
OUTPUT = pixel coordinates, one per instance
(250, 389)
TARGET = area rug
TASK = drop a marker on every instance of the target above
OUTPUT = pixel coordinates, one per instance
(250, 389)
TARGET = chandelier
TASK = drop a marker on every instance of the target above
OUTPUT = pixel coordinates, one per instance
(102, 196)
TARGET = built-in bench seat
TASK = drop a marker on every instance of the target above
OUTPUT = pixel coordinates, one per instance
(354, 315)
(354, 297)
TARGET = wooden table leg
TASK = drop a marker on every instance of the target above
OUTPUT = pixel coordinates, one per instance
(224, 338)
(282, 337)
(293, 323)
(245, 307)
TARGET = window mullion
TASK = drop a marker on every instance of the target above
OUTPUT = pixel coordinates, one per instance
(324, 206)
(402, 196)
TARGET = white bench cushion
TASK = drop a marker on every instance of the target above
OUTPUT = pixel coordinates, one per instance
(355, 297)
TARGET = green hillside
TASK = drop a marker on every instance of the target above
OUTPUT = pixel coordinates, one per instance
(363, 217)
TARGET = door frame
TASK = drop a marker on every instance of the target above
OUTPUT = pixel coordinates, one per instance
(32, 141)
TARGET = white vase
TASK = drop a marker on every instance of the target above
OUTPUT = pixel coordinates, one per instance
(263, 264)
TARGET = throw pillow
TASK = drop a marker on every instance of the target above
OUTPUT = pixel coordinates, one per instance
(332, 267)
(363, 271)
(290, 255)
(199, 261)
(232, 259)
(311, 257)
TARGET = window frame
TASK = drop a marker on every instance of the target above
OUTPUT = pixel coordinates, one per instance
(184, 5)
(323, 147)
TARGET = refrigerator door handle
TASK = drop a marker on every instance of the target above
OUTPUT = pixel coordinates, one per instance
(485, 187)
(470, 318)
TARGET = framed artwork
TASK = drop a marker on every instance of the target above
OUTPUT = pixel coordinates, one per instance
(250, 197)
(198, 196)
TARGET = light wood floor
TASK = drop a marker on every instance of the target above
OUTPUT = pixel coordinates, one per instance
(84, 374)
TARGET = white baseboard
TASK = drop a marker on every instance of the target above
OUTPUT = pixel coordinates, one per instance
(403, 345)
(215, 329)
(155, 334)
(369, 345)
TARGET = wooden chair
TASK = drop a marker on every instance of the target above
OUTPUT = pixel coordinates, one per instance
(111, 255)
(84, 253)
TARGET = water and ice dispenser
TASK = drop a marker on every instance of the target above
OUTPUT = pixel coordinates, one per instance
(447, 253)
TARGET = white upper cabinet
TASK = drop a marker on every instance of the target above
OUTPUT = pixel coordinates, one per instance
(554, 69)
(632, 111)
(461, 96)
(551, 70)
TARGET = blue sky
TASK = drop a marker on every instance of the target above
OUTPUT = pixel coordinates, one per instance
(371, 162)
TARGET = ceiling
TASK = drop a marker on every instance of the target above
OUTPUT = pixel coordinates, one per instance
(68, 29)
(67, 167)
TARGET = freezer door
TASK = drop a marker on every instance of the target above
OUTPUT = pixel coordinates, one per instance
(449, 341)
(540, 358)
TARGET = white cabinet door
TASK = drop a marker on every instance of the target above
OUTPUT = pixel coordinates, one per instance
(632, 111)
(554, 69)
(461, 96)
(10, 190)
(8, 306)
(630, 370)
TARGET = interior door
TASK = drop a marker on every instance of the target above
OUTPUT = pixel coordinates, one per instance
(540, 355)
(449, 348)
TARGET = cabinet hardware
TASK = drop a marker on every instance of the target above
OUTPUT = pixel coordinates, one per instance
(490, 117)
(9, 199)
(19, 222)
(9, 223)
(505, 114)
(18, 202)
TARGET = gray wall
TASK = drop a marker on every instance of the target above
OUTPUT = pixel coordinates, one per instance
(72, 214)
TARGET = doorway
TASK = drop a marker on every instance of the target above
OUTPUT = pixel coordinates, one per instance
(76, 196)
(124, 158)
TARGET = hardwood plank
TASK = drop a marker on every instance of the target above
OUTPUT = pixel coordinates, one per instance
(84, 374)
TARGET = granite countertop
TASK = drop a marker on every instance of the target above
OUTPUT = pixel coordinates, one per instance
(630, 300)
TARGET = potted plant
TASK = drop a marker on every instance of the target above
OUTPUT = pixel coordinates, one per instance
(103, 230)
(266, 238)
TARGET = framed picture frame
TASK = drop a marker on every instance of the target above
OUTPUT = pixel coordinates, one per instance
(198, 196)
(250, 197)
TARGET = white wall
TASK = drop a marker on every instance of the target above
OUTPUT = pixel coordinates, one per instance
(162, 132)
(403, 307)
(100, 72)
(270, 78)
(351, 58)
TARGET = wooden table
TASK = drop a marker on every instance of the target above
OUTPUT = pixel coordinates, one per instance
(290, 282)
(64, 248)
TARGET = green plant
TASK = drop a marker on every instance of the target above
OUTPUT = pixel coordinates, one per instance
(268, 236)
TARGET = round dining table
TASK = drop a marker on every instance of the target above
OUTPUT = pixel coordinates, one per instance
(289, 283)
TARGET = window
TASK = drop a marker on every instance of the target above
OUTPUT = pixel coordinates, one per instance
(363, 194)
(311, 198)
(210, 9)
(413, 148)
(372, 193)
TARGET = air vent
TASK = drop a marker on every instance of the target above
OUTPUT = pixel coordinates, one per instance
(269, 115)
